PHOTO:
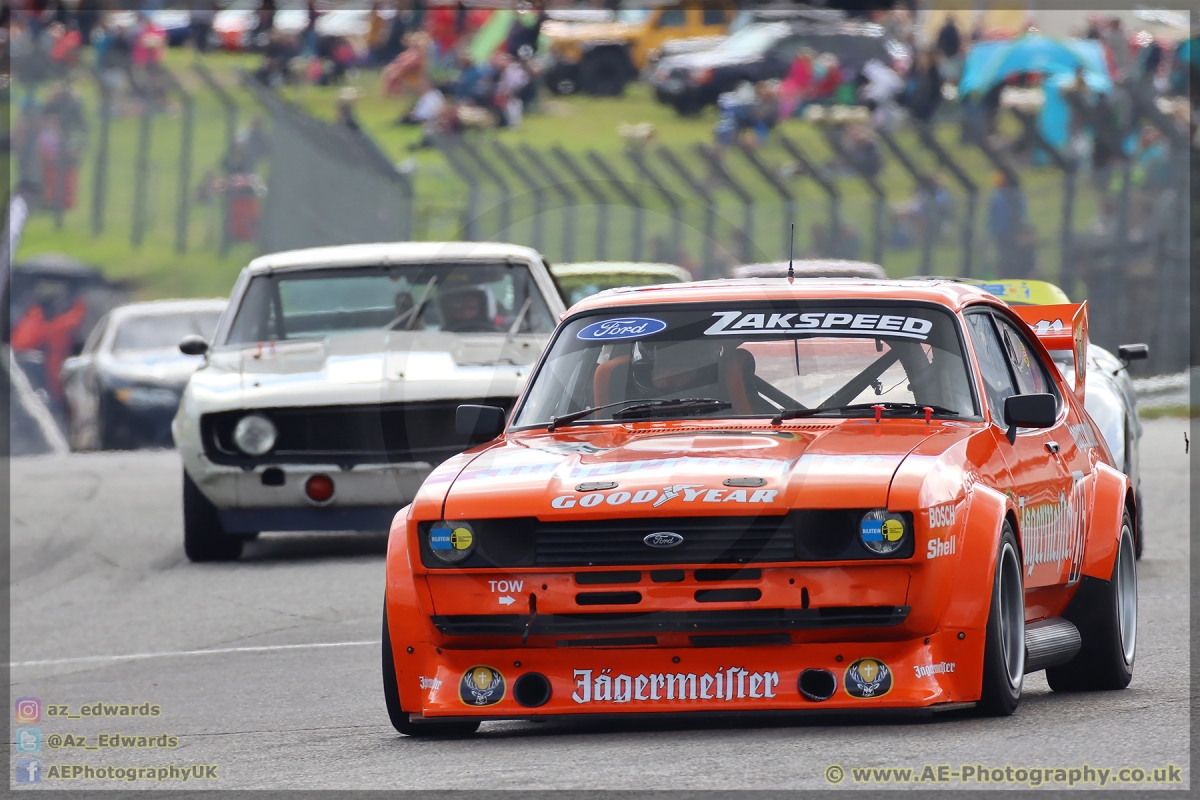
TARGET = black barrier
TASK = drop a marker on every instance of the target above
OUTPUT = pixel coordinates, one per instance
(100, 170)
(926, 135)
(589, 188)
(785, 194)
(534, 187)
(187, 123)
(495, 177)
(630, 197)
(471, 209)
(667, 196)
(827, 186)
(712, 157)
(701, 191)
(568, 197)
(877, 192)
(230, 110)
(925, 185)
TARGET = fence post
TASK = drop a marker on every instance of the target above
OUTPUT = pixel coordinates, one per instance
(698, 187)
(231, 116)
(927, 137)
(676, 220)
(924, 183)
(535, 188)
(183, 207)
(1067, 276)
(569, 199)
(471, 208)
(597, 196)
(713, 157)
(635, 202)
(141, 170)
(827, 186)
(100, 176)
(789, 200)
(876, 190)
(494, 176)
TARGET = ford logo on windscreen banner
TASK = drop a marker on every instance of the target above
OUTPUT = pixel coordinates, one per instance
(623, 328)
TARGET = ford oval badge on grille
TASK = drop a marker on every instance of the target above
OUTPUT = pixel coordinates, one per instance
(663, 539)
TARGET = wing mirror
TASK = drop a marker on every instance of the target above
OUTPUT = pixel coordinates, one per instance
(1029, 411)
(193, 345)
(479, 423)
(1133, 352)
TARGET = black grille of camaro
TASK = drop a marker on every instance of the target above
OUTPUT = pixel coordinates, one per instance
(347, 435)
(809, 535)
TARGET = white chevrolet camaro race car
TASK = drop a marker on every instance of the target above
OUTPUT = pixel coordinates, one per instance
(329, 390)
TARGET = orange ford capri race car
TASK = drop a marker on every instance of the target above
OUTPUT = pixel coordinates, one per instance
(738, 496)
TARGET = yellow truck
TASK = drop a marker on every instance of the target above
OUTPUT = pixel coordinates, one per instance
(598, 52)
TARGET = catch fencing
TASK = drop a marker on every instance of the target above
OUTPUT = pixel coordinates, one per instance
(919, 206)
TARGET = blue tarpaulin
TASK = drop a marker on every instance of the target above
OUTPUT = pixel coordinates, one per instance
(989, 63)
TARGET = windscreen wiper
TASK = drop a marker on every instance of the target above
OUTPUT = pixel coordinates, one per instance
(409, 318)
(796, 413)
(656, 408)
(683, 403)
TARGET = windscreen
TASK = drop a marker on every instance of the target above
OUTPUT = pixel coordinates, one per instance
(754, 359)
(160, 331)
(451, 297)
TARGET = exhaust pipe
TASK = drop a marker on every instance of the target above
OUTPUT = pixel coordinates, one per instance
(1050, 642)
(532, 690)
(817, 684)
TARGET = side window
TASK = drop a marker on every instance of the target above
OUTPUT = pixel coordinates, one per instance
(993, 363)
(714, 16)
(672, 18)
(1026, 366)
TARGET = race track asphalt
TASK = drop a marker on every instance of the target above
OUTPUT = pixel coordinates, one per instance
(292, 697)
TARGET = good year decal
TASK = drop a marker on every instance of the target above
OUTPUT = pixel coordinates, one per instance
(684, 492)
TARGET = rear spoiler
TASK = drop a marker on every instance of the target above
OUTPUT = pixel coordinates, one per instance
(1061, 328)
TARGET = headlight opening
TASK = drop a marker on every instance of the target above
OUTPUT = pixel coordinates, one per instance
(882, 532)
(254, 434)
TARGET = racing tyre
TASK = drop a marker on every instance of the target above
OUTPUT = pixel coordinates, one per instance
(1004, 650)
(1107, 625)
(391, 697)
(204, 539)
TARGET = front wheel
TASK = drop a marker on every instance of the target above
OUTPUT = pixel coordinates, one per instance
(204, 538)
(1004, 649)
(391, 698)
(1107, 625)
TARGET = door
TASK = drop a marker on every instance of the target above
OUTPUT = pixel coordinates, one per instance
(1040, 477)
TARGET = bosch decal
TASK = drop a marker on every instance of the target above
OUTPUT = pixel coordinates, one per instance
(941, 516)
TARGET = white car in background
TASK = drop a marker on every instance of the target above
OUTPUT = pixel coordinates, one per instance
(331, 387)
(586, 278)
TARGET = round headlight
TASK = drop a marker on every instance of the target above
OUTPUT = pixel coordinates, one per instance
(881, 531)
(254, 434)
(451, 542)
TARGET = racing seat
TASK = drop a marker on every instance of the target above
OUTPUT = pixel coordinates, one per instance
(610, 379)
(738, 367)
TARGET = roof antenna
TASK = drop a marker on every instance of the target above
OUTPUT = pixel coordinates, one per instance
(791, 250)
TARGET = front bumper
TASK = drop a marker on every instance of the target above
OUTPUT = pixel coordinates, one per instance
(366, 497)
(929, 672)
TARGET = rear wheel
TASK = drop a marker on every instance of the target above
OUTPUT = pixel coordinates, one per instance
(204, 538)
(391, 698)
(1108, 627)
(1004, 649)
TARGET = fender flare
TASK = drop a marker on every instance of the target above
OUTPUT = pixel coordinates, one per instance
(1104, 521)
(968, 607)
(403, 612)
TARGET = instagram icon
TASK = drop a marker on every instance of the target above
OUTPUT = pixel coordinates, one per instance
(29, 709)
